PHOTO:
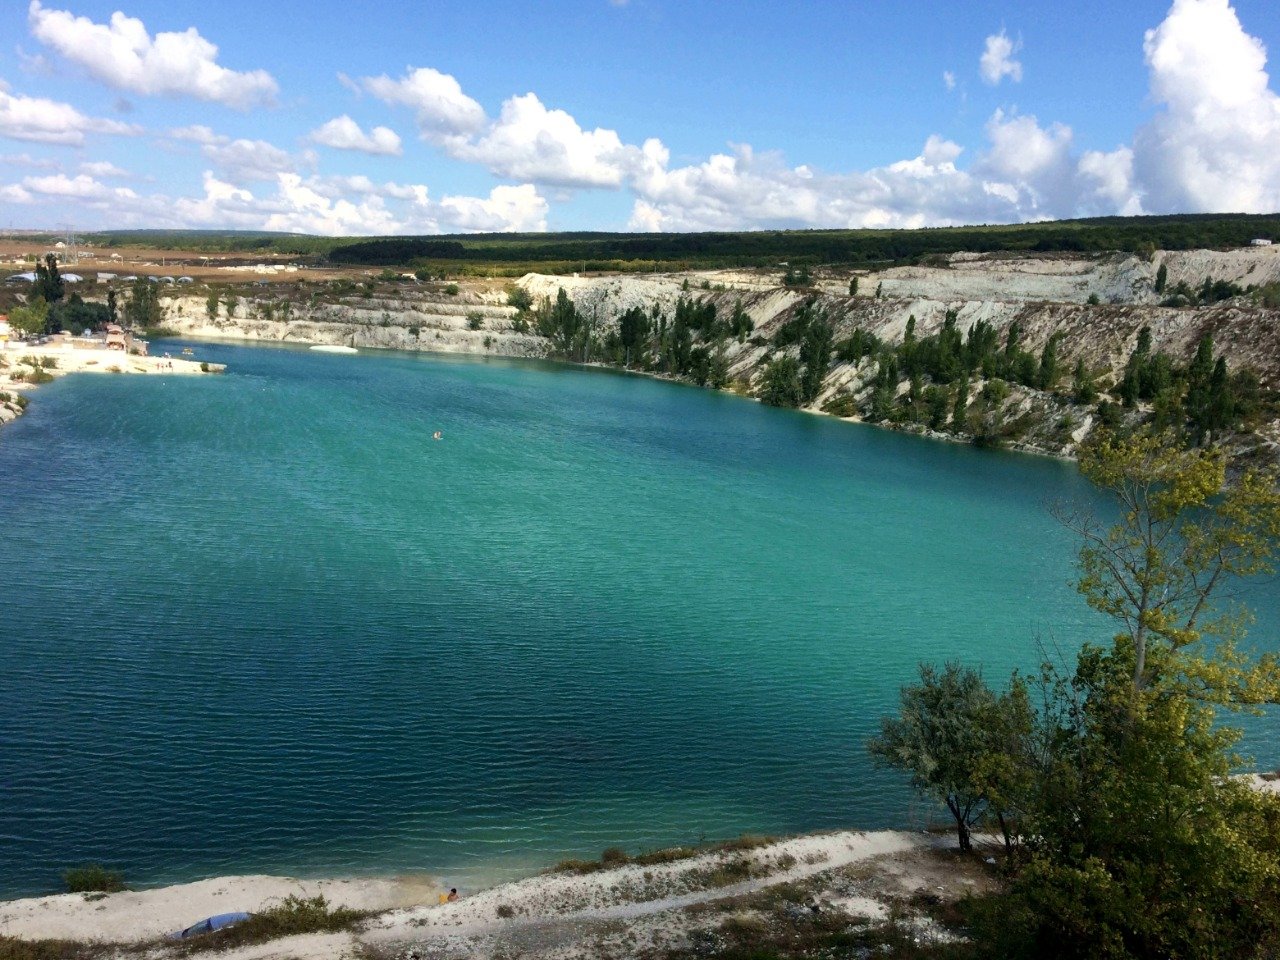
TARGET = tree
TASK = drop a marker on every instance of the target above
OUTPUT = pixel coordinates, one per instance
(30, 320)
(144, 309)
(1083, 387)
(113, 308)
(950, 734)
(520, 298)
(48, 285)
(1162, 278)
(211, 306)
(853, 287)
(1183, 536)
(815, 354)
(960, 411)
(1047, 374)
(781, 387)
(633, 330)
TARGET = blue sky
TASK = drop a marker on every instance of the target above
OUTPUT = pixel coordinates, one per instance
(645, 114)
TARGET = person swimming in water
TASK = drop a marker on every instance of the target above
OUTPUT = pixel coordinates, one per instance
(436, 435)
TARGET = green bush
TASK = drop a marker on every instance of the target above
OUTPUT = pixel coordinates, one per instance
(92, 878)
(451, 289)
(204, 366)
(292, 916)
(475, 320)
(38, 376)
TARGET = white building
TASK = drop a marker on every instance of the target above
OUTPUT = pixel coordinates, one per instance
(1260, 242)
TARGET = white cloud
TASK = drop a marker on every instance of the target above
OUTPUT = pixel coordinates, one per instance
(948, 79)
(997, 61)
(343, 133)
(507, 209)
(26, 160)
(530, 142)
(48, 121)
(442, 110)
(1215, 146)
(242, 161)
(104, 168)
(124, 55)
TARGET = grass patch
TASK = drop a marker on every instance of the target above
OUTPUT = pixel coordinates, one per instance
(92, 878)
(617, 857)
(11, 948)
(292, 916)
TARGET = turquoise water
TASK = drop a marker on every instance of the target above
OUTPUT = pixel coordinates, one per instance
(263, 622)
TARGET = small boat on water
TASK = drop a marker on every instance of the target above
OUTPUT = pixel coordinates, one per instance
(188, 352)
(334, 348)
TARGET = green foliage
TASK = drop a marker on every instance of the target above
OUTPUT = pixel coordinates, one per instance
(782, 383)
(1084, 388)
(475, 320)
(853, 286)
(30, 320)
(92, 878)
(211, 306)
(960, 742)
(797, 277)
(1162, 278)
(76, 315)
(48, 285)
(451, 290)
(815, 355)
(290, 917)
(633, 329)
(144, 308)
(14, 948)
(520, 298)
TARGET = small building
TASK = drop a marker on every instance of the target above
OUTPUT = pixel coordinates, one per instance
(72, 278)
(21, 278)
(117, 339)
(1260, 242)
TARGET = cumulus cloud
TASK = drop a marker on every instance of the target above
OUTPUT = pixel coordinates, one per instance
(527, 141)
(242, 161)
(48, 121)
(125, 56)
(1215, 146)
(948, 79)
(444, 113)
(530, 142)
(343, 133)
(997, 61)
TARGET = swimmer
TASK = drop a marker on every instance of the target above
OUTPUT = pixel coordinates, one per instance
(436, 435)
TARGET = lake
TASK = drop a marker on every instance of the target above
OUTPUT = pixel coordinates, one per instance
(263, 622)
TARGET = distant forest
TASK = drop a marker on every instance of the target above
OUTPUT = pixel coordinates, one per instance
(765, 248)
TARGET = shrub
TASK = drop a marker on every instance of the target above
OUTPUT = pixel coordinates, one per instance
(204, 366)
(475, 320)
(11, 948)
(38, 376)
(614, 856)
(506, 911)
(92, 878)
(292, 916)
(451, 290)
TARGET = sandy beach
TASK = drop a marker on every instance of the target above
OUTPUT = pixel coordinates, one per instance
(17, 362)
(565, 914)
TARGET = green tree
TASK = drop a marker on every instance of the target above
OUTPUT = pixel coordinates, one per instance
(211, 305)
(1083, 387)
(48, 285)
(30, 320)
(953, 735)
(781, 386)
(633, 329)
(815, 354)
(960, 411)
(1162, 278)
(520, 298)
(1047, 373)
(113, 308)
(144, 310)
(853, 287)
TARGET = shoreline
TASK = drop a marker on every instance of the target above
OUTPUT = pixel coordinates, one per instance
(407, 910)
(15, 368)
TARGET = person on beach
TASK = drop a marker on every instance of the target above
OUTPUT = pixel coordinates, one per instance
(453, 895)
